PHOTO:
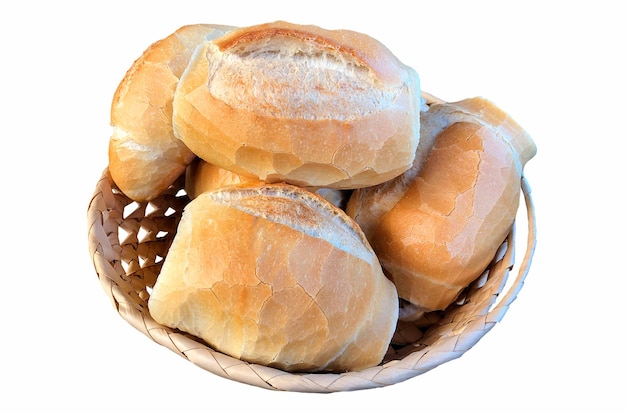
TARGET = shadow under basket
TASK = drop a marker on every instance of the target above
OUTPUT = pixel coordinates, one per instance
(128, 242)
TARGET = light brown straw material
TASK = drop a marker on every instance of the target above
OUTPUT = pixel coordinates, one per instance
(128, 242)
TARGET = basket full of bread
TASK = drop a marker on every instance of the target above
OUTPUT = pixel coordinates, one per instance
(285, 207)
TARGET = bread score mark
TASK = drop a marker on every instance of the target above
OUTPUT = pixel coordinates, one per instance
(370, 53)
(300, 210)
(299, 81)
(303, 72)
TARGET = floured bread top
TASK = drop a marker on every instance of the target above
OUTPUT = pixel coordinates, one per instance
(300, 210)
(284, 72)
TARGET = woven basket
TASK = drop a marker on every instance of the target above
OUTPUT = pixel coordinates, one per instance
(128, 242)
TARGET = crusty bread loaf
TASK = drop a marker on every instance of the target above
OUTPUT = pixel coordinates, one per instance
(436, 229)
(202, 177)
(276, 275)
(144, 156)
(300, 104)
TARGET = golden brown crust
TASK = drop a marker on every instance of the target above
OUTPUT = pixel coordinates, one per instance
(365, 140)
(144, 155)
(202, 177)
(275, 275)
(487, 113)
(437, 230)
(455, 215)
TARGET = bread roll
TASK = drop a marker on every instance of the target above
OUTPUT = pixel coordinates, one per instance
(299, 104)
(202, 177)
(144, 156)
(436, 229)
(277, 276)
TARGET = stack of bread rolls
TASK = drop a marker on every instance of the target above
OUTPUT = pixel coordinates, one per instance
(328, 202)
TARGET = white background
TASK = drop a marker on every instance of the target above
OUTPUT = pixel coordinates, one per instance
(555, 66)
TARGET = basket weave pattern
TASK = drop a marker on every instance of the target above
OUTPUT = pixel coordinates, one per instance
(128, 242)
